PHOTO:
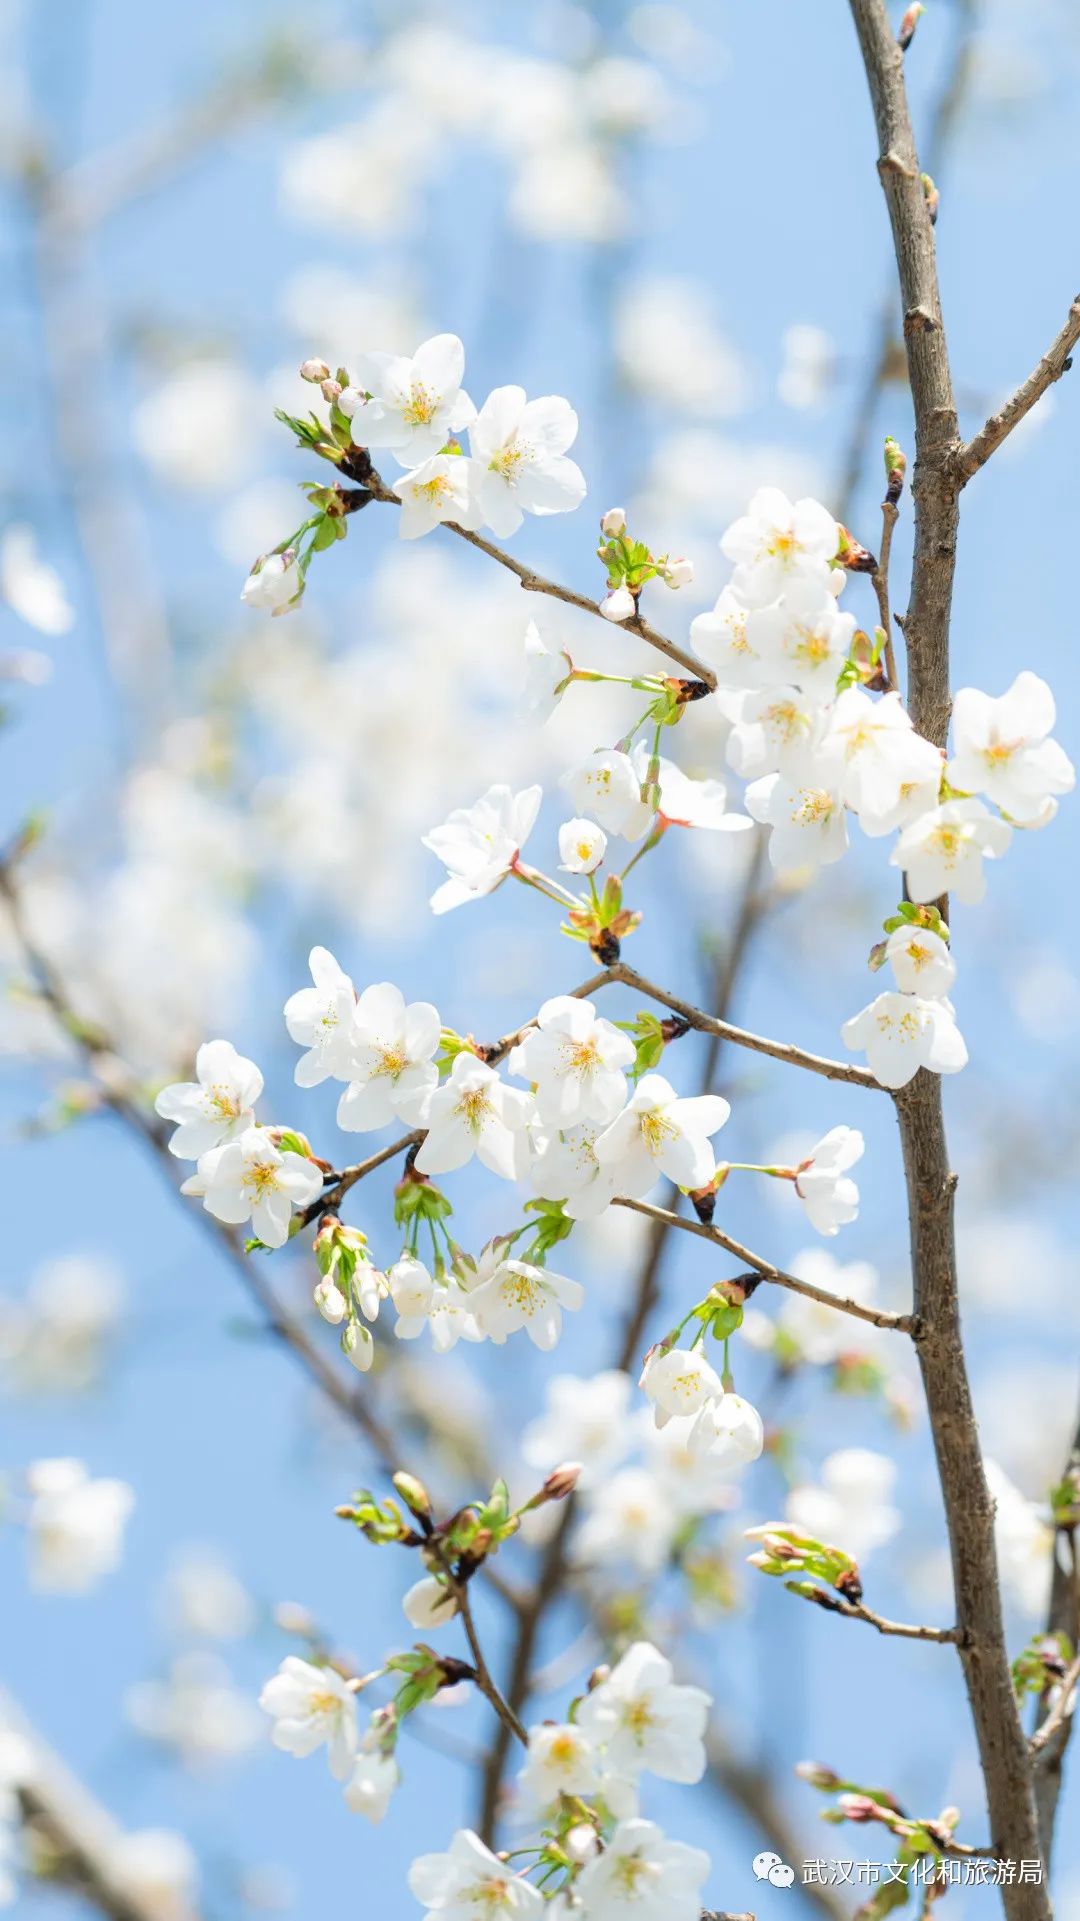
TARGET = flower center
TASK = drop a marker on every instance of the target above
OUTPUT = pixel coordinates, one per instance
(392, 1062)
(656, 1129)
(506, 460)
(474, 1108)
(421, 406)
(260, 1180)
(223, 1102)
(815, 807)
(432, 490)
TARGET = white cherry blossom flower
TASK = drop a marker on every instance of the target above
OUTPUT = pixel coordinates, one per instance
(882, 759)
(479, 845)
(809, 828)
(409, 405)
(777, 729)
(215, 1107)
(679, 1381)
(319, 1018)
(442, 488)
(577, 1062)
(584, 1420)
(75, 1526)
(688, 803)
(311, 1707)
(392, 1071)
(429, 1604)
(560, 1760)
(520, 448)
(519, 1295)
(249, 1180)
(921, 962)
(619, 604)
(659, 1133)
(830, 1198)
(900, 1033)
(474, 1112)
(729, 1431)
(643, 1718)
(565, 1168)
(607, 786)
(781, 548)
(630, 1523)
(582, 846)
(441, 1306)
(1001, 748)
(692, 1482)
(274, 584)
(849, 1505)
(804, 645)
(642, 1876)
(370, 1787)
(942, 852)
(721, 638)
(469, 1883)
(546, 669)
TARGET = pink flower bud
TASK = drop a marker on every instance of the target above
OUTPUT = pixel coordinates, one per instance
(614, 522)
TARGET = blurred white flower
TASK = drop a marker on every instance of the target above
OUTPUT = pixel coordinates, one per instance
(585, 1419)
(75, 1525)
(31, 588)
(1025, 1544)
(671, 350)
(808, 366)
(849, 1505)
(196, 1710)
(200, 425)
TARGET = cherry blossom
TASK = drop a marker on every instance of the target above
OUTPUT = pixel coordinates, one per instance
(781, 548)
(901, 1033)
(688, 803)
(520, 1295)
(370, 1786)
(274, 585)
(75, 1526)
(942, 852)
(442, 1306)
(850, 1504)
(721, 639)
(619, 605)
(678, 1381)
(392, 1071)
(641, 1876)
(215, 1107)
(565, 1168)
(582, 846)
(660, 1133)
(474, 1112)
(584, 1420)
(608, 786)
(319, 1018)
(560, 1760)
(886, 767)
(410, 405)
(776, 729)
(921, 961)
(249, 1180)
(442, 488)
(479, 845)
(805, 645)
(576, 1060)
(809, 828)
(520, 449)
(1001, 748)
(546, 672)
(311, 1707)
(428, 1604)
(643, 1718)
(630, 1522)
(831, 1200)
(729, 1431)
(468, 1880)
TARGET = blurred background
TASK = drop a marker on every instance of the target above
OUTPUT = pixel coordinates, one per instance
(671, 215)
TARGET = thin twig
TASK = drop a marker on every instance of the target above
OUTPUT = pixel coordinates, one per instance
(855, 1611)
(1055, 361)
(880, 583)
(1062, 1711)
(877, 1317)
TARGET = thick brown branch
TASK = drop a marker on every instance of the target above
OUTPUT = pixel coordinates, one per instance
(1003, 1751)
(1055, 361)
(877, 1317)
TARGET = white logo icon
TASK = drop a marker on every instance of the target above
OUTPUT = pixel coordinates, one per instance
(769, 1867)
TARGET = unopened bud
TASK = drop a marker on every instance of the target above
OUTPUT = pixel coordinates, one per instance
(414, 1494)
(853, 556)
(895, 470)
(330, 1301)
(331, 390)
(679, 572)
(933, 197)
(613, 523)
(908, 24)
(598, 1676)
(859, 1807)
(314, 370)
(817, 1776)
(619, 605)
(358, 1346)
(561, 1482)
(849, 1583)
(581, 1842)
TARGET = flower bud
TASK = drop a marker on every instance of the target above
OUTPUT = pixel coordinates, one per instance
(817, 1776)
(908, 24)
(331, 391)
(314, 370)
(613, 523)
(581, 1842)
(414, 1494)
(679, 572)
(619, 605)
(358, 1346)
(562, 1481)
(330, 1301)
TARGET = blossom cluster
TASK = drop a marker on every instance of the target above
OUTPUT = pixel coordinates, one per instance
(580, 1785)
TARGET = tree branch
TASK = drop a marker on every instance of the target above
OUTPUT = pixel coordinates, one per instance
(855, 1611)
(1063, 1617)
(1055, 361)
(1003, 1751)
(1061, 1714)
(765, 1271)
